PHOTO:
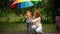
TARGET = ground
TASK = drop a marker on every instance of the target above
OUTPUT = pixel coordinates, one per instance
(20, 28)
(23, 33)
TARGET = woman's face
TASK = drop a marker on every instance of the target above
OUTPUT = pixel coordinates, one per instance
(37, 13)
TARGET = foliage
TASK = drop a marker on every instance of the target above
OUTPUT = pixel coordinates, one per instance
(47, 9)
(48, 12)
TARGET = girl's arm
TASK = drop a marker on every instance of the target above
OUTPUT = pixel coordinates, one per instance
(25, 15)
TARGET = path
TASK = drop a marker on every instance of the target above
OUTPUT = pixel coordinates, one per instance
(23, 33)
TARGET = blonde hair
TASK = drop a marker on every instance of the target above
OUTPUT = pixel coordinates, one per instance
(28, 12)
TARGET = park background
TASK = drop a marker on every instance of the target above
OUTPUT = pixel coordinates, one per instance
(12, 20)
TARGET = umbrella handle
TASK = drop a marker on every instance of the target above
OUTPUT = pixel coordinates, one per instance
(35, 8)
(26, 9)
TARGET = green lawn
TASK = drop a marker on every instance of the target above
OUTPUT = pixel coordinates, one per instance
(20, 27)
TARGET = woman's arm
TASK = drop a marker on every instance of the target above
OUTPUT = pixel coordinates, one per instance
(34, 20)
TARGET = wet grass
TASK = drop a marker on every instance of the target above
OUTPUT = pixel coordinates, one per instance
(21, 27)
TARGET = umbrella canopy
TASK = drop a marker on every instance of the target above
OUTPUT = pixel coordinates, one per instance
(19, 4)
(35, 1)
(24, 5)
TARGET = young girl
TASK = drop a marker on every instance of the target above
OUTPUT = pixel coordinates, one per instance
(28, 23)
(37, 26)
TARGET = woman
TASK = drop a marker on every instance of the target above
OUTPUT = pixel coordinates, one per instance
(37, 26)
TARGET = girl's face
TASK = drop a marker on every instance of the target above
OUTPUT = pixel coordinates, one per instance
(28, 13)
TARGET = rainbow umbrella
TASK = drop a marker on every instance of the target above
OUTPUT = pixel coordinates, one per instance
(35, 2)
(19, 4)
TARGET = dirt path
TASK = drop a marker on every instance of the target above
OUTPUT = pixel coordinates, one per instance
(23, 33)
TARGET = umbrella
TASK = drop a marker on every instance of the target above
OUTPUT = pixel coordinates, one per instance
(35, 2)
(24, 5)
(19, 4)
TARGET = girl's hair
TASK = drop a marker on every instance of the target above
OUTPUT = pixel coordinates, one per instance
(29, 12)
(37, 13)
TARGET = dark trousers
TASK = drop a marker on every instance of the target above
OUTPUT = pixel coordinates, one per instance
(28, 28)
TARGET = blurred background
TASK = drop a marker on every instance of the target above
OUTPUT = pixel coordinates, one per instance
(12, 20)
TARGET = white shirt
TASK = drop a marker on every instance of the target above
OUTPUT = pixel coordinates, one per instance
(36, 21)
(28, 20)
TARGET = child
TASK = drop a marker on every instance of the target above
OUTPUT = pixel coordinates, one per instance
(28, 23)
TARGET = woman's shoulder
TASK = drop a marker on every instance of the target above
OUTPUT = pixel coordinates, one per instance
(38, 17)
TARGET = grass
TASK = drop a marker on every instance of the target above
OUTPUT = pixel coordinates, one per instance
(12, 27)
(21, 27)
(49, 28)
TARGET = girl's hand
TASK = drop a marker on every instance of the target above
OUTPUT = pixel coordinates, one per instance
(25, 15)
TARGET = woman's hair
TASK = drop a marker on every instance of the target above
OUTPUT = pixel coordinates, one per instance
(37, 13)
